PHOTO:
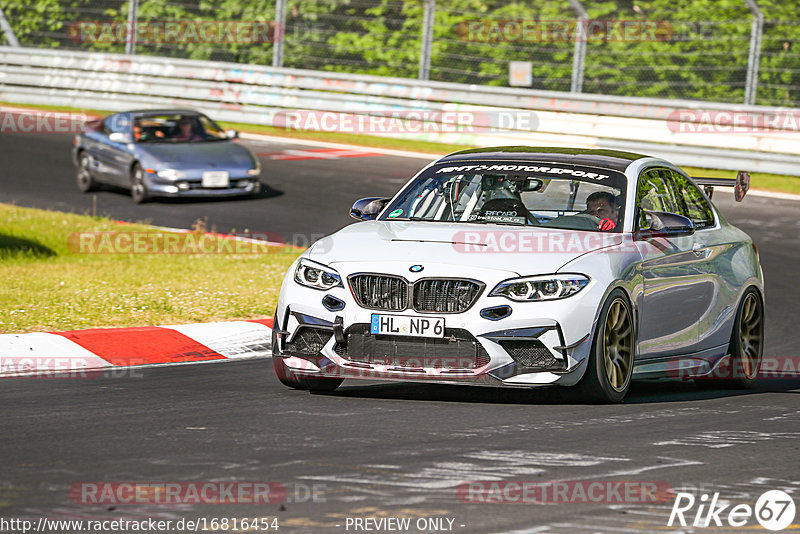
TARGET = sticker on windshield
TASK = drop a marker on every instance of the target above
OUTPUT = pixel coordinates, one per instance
(522, 168)
(504, 217)
(396, 213)
(499, 216)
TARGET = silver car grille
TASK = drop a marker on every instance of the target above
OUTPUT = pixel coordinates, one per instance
(433, 295)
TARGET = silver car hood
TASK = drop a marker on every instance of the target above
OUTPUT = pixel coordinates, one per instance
(199, 154)
(520, 250)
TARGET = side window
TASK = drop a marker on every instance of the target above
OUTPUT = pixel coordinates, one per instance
(697, 208)
(655, 193)
(116, 123)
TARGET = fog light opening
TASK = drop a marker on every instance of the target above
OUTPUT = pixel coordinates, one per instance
(496, 313)
(332, 303)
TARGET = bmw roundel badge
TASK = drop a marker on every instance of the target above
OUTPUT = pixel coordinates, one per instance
(416, 268)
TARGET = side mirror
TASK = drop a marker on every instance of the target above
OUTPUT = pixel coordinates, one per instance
(665, 224)
(532, 184)
(367, 209)
(232, 134)
(119, 137)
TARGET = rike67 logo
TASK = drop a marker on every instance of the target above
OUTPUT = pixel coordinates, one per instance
(774, 510)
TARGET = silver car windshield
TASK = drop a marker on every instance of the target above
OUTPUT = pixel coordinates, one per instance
(563, 197)
(176, 128)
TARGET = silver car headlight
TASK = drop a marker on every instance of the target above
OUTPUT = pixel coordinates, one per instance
(255, 171)
(311, 274)
(171, 173)
(537, 288)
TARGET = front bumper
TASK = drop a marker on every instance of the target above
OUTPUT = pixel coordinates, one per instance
(537, 344)
(162, 188)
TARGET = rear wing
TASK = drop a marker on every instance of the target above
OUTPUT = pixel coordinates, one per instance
(740, 184)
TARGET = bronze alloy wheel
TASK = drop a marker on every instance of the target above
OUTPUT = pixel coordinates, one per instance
(747, 342)
(746, 347)
(617, 345)
(751, 336)
(610, 365)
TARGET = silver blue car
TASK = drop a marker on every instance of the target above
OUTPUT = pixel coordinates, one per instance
(164, 153)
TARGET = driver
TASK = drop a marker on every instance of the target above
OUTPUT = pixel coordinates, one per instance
(187, 130)
(603, 205)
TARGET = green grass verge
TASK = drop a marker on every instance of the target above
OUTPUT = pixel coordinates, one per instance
(767, 182)
(51, 284)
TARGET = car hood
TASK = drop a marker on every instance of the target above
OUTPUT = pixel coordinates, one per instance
(199, 154)
(461, 246)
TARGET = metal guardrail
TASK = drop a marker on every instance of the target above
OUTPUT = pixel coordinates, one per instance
(261, 95)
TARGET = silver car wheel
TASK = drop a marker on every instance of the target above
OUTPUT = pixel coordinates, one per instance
(138, 187)
(85, 181)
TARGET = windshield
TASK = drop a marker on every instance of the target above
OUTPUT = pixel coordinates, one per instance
(570, 197)
(176, 128)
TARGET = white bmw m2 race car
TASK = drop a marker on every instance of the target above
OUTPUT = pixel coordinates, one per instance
(529, 267)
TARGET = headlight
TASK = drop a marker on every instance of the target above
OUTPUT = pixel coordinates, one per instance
(171, 173)
(318, 276)
(548, 287)
(255, 171)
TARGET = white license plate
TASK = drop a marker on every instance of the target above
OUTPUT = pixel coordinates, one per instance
(404, 325)
(215, 179)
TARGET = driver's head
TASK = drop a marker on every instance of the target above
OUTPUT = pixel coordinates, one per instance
(185, 124)
(602, 205)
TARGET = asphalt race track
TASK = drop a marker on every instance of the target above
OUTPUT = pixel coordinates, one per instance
(381, 450)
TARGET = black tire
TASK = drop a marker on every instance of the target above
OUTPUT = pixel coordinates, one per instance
(86, 183)
(139, 192)
(289, 379)
(747, 342)
(608, 374)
